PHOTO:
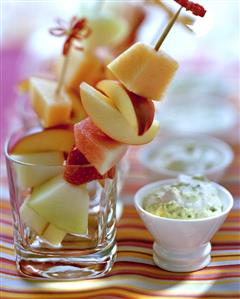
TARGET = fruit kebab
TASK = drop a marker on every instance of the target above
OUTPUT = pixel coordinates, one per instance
(53, 103)
(119, 113)
(123, 109)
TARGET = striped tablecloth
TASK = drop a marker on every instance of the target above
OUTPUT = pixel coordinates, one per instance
(134, 275)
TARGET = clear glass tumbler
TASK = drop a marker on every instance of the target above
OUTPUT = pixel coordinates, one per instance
(61, 231)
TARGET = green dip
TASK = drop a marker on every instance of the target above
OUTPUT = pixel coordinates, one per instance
(185, 155)
(189, 198)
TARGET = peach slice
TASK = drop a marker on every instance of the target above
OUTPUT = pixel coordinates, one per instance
(40, 140)
(110, 120)
(137, 110)
(144, 71)
(100, 150)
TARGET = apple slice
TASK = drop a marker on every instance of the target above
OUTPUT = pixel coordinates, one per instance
(40, 140)
(138, 111)
(79, 171)
(100, 150)
(39, 172)
(62, 204)
(120, 98)
(110, 120)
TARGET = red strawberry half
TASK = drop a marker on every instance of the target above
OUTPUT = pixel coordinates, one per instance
(79, 171)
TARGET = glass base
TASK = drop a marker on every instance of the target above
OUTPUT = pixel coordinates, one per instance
(67, 266)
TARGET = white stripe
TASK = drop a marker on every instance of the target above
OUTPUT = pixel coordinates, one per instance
(225, 263)
(8, 256)
(225, 252)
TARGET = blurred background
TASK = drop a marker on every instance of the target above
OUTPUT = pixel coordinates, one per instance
(204, 97)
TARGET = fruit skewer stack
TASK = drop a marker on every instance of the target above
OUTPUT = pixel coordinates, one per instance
(112, 114)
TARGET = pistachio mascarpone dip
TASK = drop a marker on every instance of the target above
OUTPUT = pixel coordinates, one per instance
(188, 198)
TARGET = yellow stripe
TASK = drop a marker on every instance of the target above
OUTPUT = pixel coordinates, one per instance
(223, 258)
(155, 270)
(134, 234)
(224, 237)
(134, 255)
(9, 267)
(8, 251)
(7, 230)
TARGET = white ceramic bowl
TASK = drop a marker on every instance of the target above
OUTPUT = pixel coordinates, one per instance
(158, 170)
(181, 245)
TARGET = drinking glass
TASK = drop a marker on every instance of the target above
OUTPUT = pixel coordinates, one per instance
(44, 206)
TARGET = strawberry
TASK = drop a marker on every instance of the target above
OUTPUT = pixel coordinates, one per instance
(79, 171)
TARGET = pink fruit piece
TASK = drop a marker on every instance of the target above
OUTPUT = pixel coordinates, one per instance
(100, 150)
(79, 171)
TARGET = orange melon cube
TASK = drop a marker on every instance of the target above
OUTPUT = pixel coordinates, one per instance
(82, 66)
(51, 109)
(144, 71)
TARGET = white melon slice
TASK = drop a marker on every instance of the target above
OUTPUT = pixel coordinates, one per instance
(32, 219)
(44, 166)
(62, 204)
(53, 235)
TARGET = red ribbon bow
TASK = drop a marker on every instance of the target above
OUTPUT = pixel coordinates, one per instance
(77, 29)
(195, 8)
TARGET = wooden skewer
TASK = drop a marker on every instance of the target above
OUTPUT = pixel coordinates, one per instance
(167, 29)
(185, 21)
(63, 74)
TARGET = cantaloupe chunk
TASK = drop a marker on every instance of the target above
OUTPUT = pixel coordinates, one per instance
(82, 66)
(51, 109)
(144, 71)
